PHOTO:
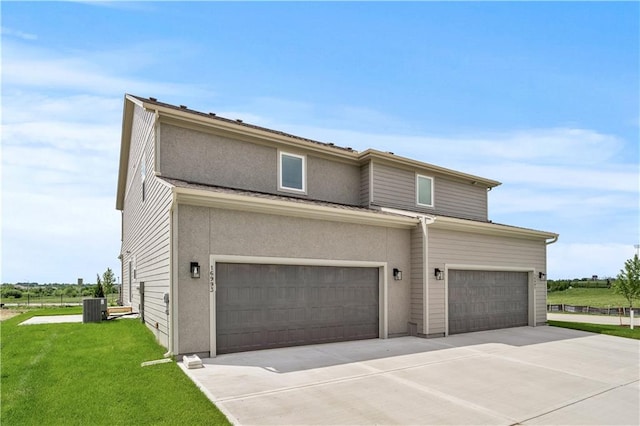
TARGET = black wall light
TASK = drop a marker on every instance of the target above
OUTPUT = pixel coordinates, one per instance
(194, 268)
(438, 274)
(397, 274)
(542, 275)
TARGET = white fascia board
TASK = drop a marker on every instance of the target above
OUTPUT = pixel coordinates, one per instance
(125, 143)
(443, 222)
(429, 219)
(289, 208)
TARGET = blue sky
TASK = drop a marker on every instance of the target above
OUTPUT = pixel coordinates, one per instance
(541, 96)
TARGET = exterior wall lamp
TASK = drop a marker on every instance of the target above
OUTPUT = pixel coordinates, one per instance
(195, 270)
(397, 274)
(439, 274)
(542, 276)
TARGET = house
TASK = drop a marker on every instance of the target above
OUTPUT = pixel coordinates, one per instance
(236, 237)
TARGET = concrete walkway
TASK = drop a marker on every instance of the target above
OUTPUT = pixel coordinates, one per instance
(525, 375)
(52, 319)
(594, 319)
(60, 319)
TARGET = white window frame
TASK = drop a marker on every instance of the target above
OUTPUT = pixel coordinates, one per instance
(281, 187)
(418, 176)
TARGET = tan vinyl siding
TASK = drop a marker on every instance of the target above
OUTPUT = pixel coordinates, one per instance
(459, 199)
(453, 247)
(364, 185)
(146, 229)
(393, 187)
(416, 314)
(396, 187)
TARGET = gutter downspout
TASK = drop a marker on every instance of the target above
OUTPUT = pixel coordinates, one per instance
(425, 221)
(553, 240)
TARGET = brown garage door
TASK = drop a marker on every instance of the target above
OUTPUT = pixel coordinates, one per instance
(271, 306)
(487, 300)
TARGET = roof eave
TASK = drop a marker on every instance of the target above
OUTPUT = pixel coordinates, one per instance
(375, 154)
(226, 201)
(465, 225)
(125, 145)
(240, 129)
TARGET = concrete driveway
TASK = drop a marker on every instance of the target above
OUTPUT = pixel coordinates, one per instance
(524, 375)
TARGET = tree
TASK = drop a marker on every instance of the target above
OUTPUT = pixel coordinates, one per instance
(108, 279)
(99, 290)
(628, 281)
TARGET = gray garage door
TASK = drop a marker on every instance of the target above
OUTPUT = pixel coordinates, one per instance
(270, 306)
(487, 300)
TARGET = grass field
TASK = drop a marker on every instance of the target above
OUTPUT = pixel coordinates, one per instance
(613, 330)
(79, 374)
(596, 297)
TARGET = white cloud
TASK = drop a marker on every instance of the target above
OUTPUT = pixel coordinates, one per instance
(579, 260)
(26, 106)
(59, 236)
(18, 34)
(607, 177)
(517, 199)
(103, 72)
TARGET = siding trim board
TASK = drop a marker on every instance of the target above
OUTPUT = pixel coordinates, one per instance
(467, 267)
(383, 313)
(474, 226)
(425, 274)
(465, 225)
(209, 198)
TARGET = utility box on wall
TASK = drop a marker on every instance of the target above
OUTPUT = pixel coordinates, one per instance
(94, 310)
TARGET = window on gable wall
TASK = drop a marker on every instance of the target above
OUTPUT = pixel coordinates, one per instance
(424, 191)
(292, 170)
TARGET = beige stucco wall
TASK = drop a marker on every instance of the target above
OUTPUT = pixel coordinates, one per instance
(203, 231)
(197, 156)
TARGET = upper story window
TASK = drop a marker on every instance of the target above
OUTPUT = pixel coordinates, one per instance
(292, 172)
(424, 191)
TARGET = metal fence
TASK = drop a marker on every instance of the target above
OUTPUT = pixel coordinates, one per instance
(591, 310)
(28, 299)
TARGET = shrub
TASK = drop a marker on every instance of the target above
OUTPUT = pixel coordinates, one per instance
(558, 285)
(99, 290)
(12, 292)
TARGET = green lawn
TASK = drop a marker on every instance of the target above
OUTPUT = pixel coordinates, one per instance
(613, 330)
(79, 374)
(596, 297)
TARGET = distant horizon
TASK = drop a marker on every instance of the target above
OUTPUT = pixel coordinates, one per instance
(600, 278)
(541, 96)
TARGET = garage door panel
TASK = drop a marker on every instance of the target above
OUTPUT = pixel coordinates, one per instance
(485, 300)
(268, 306)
